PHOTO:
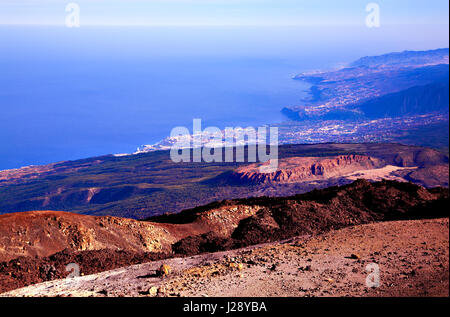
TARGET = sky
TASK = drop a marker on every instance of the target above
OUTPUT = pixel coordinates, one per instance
(223, 12)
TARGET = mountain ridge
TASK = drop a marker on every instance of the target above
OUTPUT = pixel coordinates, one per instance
(413, 57)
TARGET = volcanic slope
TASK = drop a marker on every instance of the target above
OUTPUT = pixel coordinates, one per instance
(412, 258)
(102, 243)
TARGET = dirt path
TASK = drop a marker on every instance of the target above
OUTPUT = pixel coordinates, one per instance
(412, 257)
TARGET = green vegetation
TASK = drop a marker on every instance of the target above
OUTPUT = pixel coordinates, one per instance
(143, 185)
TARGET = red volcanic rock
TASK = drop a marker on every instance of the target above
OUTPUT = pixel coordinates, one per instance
(40, 244)
(422, 157)
(300, 169)
(319, 211)
(432, 176)
(42, 233)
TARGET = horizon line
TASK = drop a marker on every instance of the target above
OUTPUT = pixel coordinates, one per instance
(221, 25)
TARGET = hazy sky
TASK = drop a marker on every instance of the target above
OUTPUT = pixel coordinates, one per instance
(224, 12)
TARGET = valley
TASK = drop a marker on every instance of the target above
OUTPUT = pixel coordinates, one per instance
(148, 184)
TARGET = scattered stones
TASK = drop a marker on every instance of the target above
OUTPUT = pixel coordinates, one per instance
(307, 268)
(164, 270)
(103, 292)
(238, 266)
(331, 274)
(153, 291)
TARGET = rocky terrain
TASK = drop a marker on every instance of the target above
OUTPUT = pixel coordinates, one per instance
(43, 233)
(342, 169)
(301, 169)
(38, 246)
(410, 256)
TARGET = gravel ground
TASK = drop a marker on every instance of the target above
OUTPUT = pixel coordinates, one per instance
(412, 258)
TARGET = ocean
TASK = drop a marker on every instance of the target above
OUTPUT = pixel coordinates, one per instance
(70, 93)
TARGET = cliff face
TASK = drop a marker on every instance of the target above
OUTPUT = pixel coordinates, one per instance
(42, 233)
(412, 101)
(300, 169)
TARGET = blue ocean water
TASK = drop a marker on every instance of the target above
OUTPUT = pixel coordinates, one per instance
(74, 93)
